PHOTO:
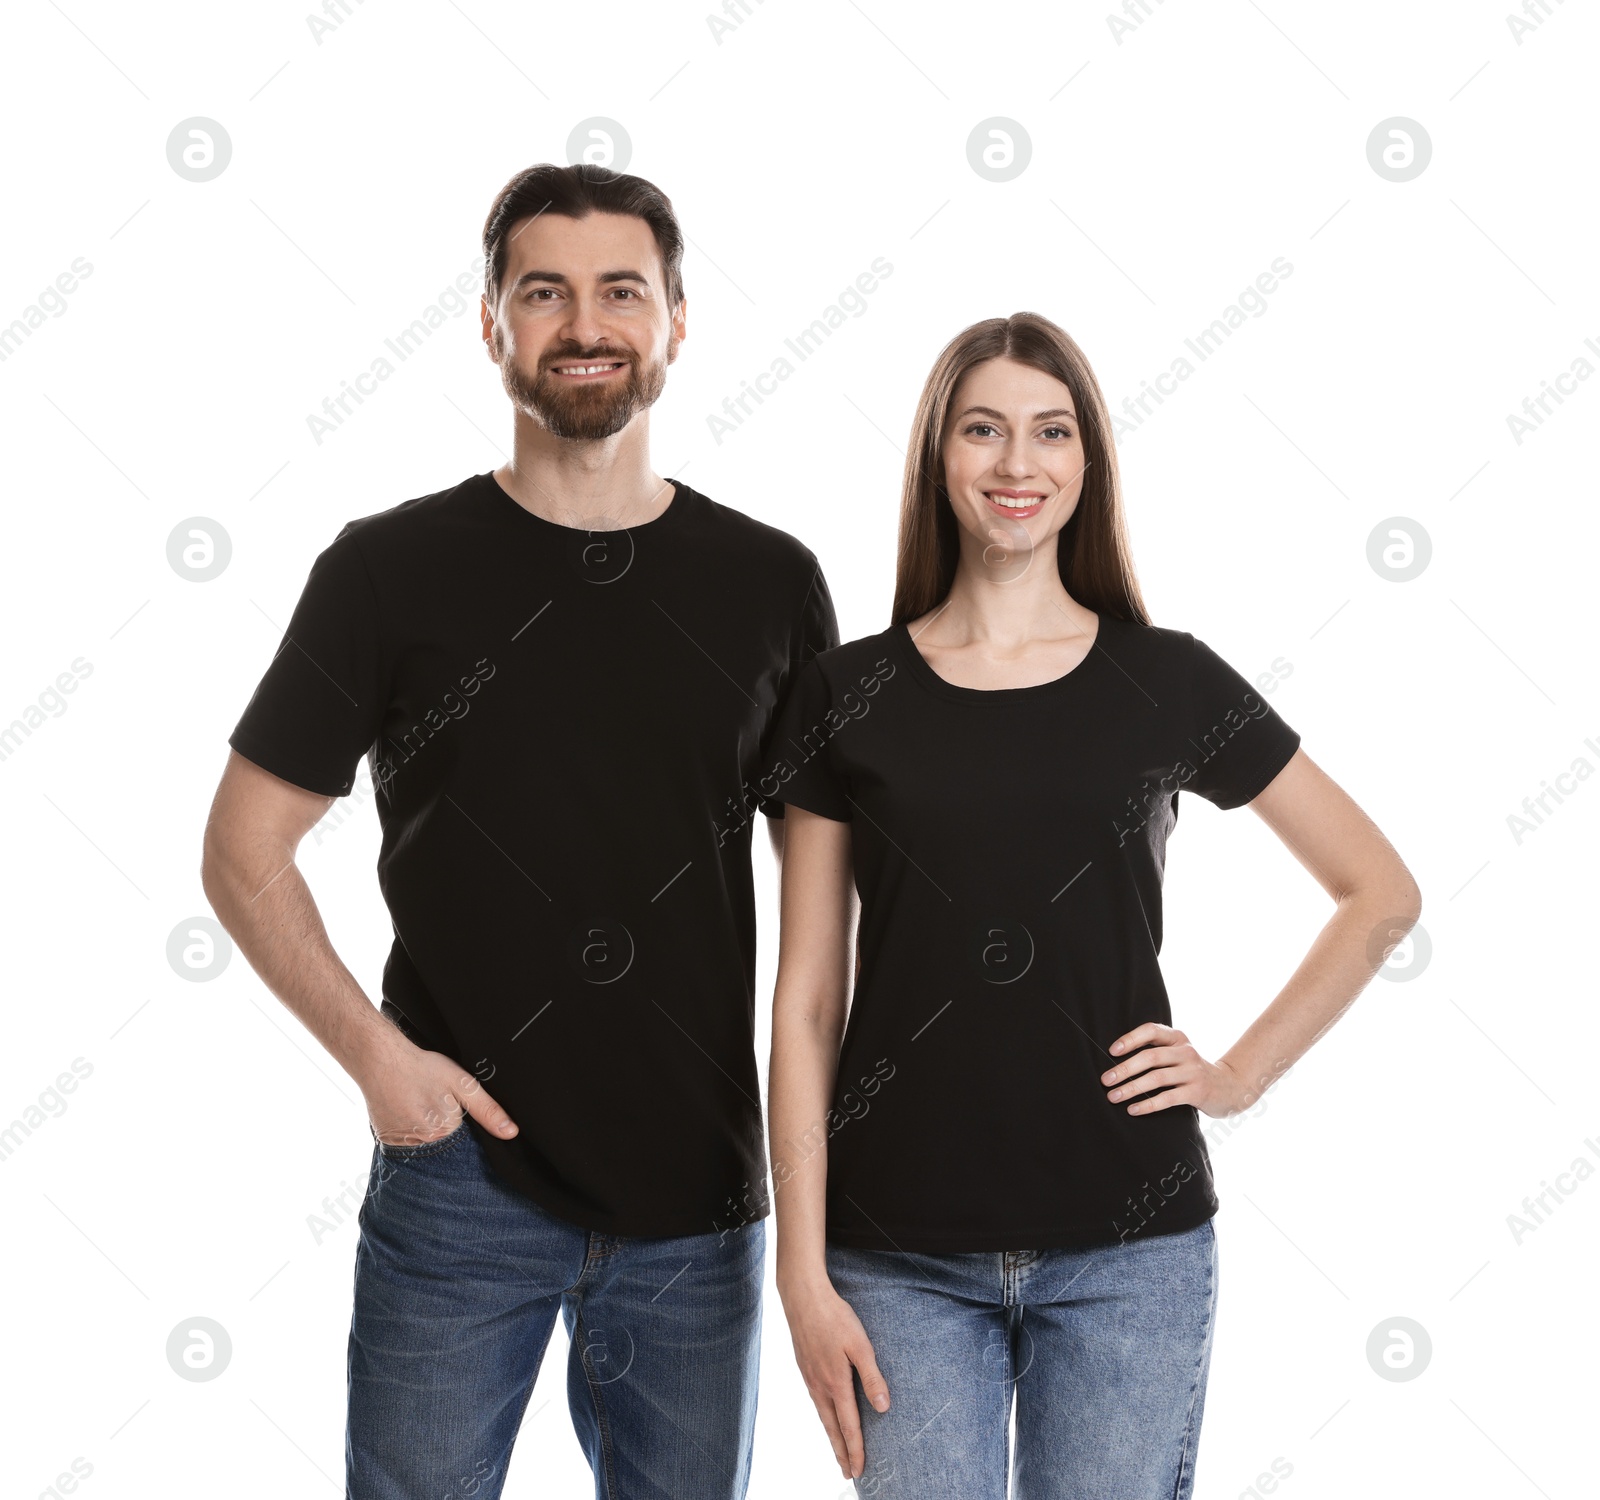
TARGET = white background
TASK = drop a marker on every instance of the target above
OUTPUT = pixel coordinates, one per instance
(1168, 169)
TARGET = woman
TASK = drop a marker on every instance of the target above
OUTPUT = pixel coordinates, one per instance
(997, 1186)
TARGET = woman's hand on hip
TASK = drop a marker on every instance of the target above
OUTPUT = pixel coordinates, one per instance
(1168, 1061)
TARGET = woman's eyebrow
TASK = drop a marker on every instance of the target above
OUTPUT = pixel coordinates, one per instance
(989, 411)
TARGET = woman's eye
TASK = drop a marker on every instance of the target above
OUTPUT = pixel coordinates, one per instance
(984, 429)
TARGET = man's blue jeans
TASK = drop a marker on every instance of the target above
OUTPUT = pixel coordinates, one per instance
(1105, 1350)
(457, 1285)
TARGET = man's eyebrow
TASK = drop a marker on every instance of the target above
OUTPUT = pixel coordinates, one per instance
(559, 278)
(1038, 416)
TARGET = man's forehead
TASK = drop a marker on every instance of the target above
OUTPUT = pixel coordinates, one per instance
(557, 238)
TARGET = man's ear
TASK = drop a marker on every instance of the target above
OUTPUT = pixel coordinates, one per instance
(680, 329)
(486, 323)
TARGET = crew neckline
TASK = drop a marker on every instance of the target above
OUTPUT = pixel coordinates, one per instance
(924, 673)
(675, 508)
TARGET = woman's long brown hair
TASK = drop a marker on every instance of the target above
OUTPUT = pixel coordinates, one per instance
(1092, 551)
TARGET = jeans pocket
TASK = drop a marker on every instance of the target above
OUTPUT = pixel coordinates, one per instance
(424, 1148)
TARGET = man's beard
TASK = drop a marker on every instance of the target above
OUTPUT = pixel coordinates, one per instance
(583, 411)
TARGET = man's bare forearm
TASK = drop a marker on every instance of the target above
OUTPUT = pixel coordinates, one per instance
(268, 910)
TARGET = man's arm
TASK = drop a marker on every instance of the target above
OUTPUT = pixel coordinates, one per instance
(249, 875)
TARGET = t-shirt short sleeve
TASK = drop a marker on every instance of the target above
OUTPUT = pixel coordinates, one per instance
(318, 708)
(1237, 740)
(815, 630)
(800, 767)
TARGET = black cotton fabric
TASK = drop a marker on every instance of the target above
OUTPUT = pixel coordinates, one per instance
(1009, 848)
(565, 729)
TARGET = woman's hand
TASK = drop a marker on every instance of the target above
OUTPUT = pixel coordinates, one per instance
(831, 1347)
(1170, 1062)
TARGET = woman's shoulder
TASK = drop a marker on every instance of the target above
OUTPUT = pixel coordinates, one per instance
(1154, 645)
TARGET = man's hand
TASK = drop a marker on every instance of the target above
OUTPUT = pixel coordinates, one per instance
(415, 1096)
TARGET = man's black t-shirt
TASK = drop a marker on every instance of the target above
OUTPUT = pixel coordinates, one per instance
(1009, 848)
(564, 729)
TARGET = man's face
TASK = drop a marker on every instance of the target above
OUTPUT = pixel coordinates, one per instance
(581, 330)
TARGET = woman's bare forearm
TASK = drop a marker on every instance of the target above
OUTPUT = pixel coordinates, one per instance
(1376, 902)
(800, 1081)
(1338, 966)
(818, 910)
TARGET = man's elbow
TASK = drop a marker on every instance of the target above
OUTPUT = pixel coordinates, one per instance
(229, 853)
(215, 863)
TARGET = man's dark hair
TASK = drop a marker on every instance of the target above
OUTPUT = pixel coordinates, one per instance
(575, 192)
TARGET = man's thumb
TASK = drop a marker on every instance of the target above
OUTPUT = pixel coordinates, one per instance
(477, 1103)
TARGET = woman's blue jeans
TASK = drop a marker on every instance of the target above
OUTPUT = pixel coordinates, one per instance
(1104, 1350)
(458, 1282)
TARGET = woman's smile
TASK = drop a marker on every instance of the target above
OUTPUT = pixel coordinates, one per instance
(1017, 504)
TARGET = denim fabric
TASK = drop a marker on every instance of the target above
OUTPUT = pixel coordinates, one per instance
(458, 1282)
(1105, 1351)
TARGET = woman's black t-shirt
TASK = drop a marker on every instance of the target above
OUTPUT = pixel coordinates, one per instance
(1009, 847)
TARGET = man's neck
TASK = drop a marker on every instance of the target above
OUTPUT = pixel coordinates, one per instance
(598, 486)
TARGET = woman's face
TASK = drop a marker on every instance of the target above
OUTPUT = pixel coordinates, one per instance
(1013, 454)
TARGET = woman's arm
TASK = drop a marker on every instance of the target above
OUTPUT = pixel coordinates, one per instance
(817, 924)
(1376, 904)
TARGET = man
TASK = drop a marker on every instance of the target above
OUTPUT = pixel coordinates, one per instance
(563, 674)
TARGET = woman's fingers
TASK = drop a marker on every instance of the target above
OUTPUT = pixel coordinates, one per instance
(1151, 1057)
(1151, 1035)
(830, 1423)
(1142, 1035)
(873, 1385)
(1137, 1064)
(1185, 1094)
(833, 1349)
(1160, 1078)
(844, 1403)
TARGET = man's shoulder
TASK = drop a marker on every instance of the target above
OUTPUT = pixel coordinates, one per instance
(866, 655)
(418, 520)
(758, 541)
